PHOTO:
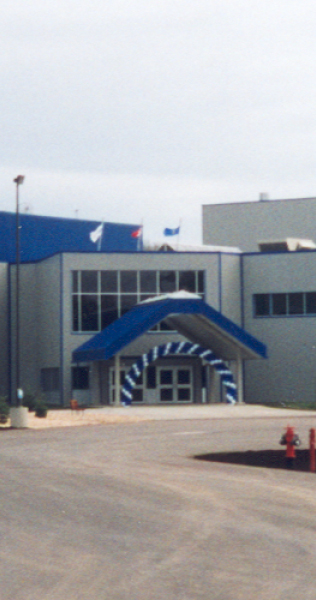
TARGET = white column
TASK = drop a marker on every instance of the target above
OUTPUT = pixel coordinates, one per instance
(240, 379)
(117, 382)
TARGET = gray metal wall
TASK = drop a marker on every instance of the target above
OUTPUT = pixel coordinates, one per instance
(244, 224)
(290, 371)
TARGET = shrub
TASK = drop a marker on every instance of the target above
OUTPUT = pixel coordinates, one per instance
(4, 410)
(29, 401)
(4, 407)
(40, 409)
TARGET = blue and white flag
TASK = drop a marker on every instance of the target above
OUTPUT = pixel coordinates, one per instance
(96, 234)
(175, 231)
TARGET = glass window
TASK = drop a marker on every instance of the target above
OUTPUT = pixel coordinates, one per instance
(262, 305)
(127, 302)
(151, 377)
(148, 281)
(109, 309)
(128, 281)
(166, 376)
(109, 281)
(166, 394)
(75, 278)
(279, 304)
(296, 304)
(184, 376)
(184, 394)
(167, 281)
(89, 281)
(80, 378)
(89, 313)
(311, 303)
(201, 282)
(75, 313)
(187, 281)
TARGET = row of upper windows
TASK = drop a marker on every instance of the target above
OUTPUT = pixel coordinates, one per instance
(137, 282)
(101, 297)
(284, 304)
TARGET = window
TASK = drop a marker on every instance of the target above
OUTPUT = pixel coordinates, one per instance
(50, 379)
(80, 378)
(262, 304)
(101, 297)
(279, 304)
(285, 304)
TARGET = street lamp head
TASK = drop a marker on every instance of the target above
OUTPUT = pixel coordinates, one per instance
(19, 179)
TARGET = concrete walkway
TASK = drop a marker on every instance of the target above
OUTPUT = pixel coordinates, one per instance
(203, 411)
(120, 414)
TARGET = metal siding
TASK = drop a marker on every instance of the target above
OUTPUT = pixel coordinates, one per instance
(290, 371)
(244, 224)
(41, 237)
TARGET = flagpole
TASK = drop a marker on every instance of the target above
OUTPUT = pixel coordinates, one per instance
(140, 238)
(180, 225)
(100, 238)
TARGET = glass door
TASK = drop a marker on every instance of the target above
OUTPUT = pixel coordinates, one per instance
(175, 384)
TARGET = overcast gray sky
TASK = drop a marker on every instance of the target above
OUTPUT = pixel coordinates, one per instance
(144, 110)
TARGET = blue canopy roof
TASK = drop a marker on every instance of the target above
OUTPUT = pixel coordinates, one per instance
(190, 316)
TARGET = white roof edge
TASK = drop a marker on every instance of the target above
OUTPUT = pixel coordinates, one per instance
(201, 248)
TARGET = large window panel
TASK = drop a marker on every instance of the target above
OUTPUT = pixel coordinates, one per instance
(75, 313)
(148, 282)
(279, 304)
(128, 281)
(187, 281)
(311, 303)
(89, 281)
(109, 281)
(89, 313)
(296, 304)
(75, 281)
(127, 302)
(109, 309)
(167, 282)
(262, 305)
(101, 297)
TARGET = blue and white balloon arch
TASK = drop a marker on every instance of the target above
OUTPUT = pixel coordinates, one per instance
(188, 348)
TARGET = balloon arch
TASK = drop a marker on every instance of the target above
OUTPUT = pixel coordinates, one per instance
(188, 348)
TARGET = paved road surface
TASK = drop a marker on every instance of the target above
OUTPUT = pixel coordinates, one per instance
(124, 512)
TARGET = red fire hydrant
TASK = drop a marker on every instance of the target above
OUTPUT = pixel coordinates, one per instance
(291, 441)
(312, 462)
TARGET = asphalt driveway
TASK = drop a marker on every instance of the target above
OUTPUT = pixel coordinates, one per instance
(126, 512)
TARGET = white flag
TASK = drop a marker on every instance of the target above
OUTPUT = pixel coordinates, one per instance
(96, 234)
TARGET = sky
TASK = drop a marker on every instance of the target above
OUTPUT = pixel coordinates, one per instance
(141, 112)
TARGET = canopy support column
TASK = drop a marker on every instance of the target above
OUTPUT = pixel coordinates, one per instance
(240, 379)
(117, 380)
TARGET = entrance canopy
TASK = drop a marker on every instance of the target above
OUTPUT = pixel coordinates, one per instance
(183, 312)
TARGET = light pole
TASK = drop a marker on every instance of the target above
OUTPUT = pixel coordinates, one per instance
(19, 394)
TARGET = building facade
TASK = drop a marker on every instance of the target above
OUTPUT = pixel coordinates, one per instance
(70, 296)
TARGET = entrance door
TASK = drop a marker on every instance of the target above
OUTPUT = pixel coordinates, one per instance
(175, 384)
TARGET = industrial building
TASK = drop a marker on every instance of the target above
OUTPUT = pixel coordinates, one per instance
(231, 321)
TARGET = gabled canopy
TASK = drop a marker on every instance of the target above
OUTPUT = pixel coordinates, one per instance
(186, 313)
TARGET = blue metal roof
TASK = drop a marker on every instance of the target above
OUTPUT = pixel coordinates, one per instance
(191, 317)
(43, 236)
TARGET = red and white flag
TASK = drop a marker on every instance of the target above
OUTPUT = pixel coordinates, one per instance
(137, 233)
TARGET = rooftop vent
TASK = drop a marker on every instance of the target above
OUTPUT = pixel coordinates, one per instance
(286, 245)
